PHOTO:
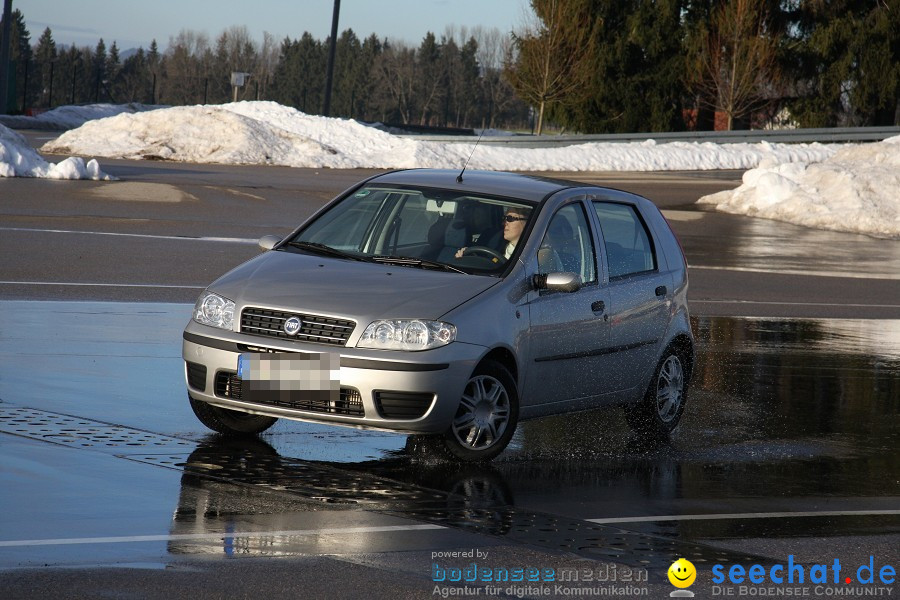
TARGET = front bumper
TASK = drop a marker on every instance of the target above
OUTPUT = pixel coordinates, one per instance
(438, 376)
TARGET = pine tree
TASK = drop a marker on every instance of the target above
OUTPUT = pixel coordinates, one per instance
(98, 69)
(112, 68)
(45, 58)
(846, 63)
(20, 55)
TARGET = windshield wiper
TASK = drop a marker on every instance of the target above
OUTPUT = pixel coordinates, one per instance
(409, 261)
(318, 248)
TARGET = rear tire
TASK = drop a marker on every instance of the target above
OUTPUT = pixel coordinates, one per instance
(230, 422)
(487, 415)
(659, 412)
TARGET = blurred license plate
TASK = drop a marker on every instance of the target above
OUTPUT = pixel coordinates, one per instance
(288, 376)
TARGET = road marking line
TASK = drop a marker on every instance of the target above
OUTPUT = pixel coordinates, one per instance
(692, 301)
(838, 274)
(126, 285)
(216, 536)
(139, 235)
(770, 515)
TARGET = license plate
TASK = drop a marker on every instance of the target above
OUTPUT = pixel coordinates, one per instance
(290, 376)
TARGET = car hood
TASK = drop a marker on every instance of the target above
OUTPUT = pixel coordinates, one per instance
(337, 287)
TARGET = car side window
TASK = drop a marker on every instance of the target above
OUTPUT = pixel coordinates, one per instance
(629, 247)
(567, 245)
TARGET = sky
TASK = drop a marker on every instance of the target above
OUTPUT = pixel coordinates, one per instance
(842, 187)
(133, 23)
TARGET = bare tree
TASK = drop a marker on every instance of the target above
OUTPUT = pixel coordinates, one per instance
(493, 48)
(183, 67)
(398, 73)
(550, 65)
(736, 69)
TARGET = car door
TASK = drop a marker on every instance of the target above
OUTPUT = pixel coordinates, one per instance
(569, 330)
(640, 292)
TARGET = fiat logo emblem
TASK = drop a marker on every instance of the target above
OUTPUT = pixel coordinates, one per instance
(292, 326)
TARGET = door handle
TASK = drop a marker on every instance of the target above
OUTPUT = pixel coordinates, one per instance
(661, 290)
(599, 306)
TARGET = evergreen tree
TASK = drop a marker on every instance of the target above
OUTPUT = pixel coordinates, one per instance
(20, 55)
(429, 82)
(135, 79)
(846, 63)
(370, 93)
(98, 69)
(348, 54)
(299, 79)
(111, 83)
(636, 69)
(45, 58)
(153, 65)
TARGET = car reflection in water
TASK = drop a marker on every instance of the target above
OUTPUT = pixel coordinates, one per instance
(789, 416)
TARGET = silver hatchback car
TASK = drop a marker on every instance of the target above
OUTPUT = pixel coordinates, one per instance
(428, 302)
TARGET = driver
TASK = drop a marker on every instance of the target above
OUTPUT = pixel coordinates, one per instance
(513, 224)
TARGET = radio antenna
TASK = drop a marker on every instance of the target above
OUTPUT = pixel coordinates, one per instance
(459, 178)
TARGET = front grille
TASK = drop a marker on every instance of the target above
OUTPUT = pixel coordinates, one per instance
(315, 328)
(196, 376)
(228, 385)
(402, 405)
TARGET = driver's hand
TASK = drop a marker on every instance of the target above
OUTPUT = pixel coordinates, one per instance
(459, 253)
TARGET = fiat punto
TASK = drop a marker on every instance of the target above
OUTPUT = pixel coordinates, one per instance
(429, 302)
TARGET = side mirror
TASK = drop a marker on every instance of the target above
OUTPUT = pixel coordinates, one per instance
(559, 282)
(267, 242)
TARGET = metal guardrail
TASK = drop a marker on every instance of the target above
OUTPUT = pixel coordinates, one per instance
(781, 136)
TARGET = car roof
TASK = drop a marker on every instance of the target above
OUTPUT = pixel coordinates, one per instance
(495, 183)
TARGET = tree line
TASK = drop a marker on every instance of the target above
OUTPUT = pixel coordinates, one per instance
(663, 65)
(456, 81)
(583, 65)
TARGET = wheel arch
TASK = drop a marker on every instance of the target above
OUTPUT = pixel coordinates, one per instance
(684, 345)
(507, 359)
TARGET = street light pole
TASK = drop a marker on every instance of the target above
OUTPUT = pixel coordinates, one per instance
(329, 73)
(4, 56)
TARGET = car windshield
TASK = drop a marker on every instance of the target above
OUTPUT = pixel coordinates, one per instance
(423, 228)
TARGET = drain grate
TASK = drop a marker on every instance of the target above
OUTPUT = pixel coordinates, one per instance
(83, 433)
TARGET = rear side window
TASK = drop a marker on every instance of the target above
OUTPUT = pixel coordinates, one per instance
(629, 247)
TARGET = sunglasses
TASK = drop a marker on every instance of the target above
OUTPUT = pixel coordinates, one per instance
(512, 219)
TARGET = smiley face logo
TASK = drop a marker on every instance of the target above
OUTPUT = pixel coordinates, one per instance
(682, 573)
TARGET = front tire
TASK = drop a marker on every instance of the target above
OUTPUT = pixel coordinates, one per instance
(663, 404)
(230, 422)
(487, 415)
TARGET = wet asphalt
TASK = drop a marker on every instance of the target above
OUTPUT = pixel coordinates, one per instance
(109, 487)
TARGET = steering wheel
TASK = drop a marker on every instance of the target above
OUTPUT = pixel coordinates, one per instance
(484, 250)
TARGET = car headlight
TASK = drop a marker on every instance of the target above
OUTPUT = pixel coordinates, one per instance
(214, 310)
(407, 334)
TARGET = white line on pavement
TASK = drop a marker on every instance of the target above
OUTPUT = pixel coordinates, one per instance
(139, 235)
(216, 536)
(122, 285)
(769, 515)
(692, 301)
(841, 274)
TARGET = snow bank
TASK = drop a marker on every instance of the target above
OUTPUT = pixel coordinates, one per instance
(839, 187)
(18, 159)
(69, 117)
(856, 190)
(269, 133)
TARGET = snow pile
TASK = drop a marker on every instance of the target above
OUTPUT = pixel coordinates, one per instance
(269, 133)
(856, 190)
(69, 117)
(18, 159)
